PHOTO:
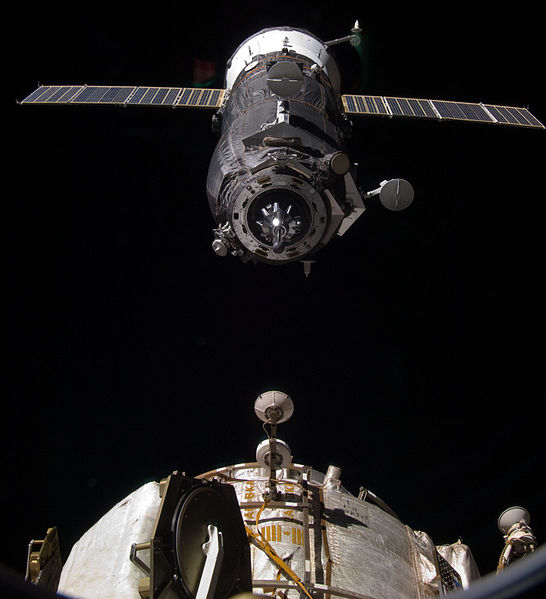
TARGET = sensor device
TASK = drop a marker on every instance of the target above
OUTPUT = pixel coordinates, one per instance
(274, 407)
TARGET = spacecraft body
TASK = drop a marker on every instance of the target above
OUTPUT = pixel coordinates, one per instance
(338, 544)
(279, 183)
(333, 543)
(268, 528)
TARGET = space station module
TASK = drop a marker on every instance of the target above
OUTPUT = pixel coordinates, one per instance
(269, 528)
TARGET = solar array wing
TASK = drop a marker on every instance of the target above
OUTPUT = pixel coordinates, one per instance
(352, 104)
(127, 96)
(439, 110)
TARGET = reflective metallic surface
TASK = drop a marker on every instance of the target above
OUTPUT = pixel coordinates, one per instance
(334, 542)
(278, 182)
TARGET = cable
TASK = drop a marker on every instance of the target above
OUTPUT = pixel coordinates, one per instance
(264, 545)
(260, 541)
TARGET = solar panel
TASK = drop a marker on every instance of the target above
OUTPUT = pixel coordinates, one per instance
(352, 103)
(439, 109)
(513, 116)
(412, 107)
(364, 104)
(126, 95)
(461, 111)
(149, 96)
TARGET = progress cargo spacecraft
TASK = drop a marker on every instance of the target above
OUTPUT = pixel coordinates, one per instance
(271, 527)
(281, 183)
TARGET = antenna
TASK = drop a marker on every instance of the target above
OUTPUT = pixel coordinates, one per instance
(519, 539)
(513, 515)
(353, 39)
(273, 408)
(395, 195)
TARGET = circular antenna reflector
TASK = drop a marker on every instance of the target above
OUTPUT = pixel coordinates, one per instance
(274, 407)
(196, 510)
(282, 457)
(284, 78)
(512, 516)
(396, 194)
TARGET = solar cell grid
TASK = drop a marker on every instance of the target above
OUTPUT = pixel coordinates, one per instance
(505, 115)
(92, 94)
(34, 95)
(439, 109)
(372, 106)
(405, 107)
(517, 115)
(525, 114)
(474, 112)
(448, 110)
(87, 94)
(171, 96)
(137, 96)
(68, 93)
(48, 93)
(416, 107)
(84, 92)
(116, 95)
(426, 108)
(121, 95)
(215, 97)
(394, 106)
(203, 101)
(381, 109)
(149, 95)
(360, 105)
(498, 114)
(194, 97)
(185, 95)
(160, 95)
(364, 104)
(352, 103)
(57, 95)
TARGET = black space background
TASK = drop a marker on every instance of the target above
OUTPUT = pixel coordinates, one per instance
(413, 352)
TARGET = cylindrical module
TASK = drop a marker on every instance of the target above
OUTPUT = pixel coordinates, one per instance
(312, 535)
(336, 544)
(278, 183)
